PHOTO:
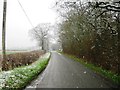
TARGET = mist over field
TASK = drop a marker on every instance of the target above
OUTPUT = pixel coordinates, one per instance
(17, 25)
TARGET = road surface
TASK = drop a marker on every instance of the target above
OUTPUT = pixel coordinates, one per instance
(63, 72)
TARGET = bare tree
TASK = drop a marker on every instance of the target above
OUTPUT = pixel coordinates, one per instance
(115, 6)
(40, 34)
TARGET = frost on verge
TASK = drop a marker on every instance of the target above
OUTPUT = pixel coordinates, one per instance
(12, 78)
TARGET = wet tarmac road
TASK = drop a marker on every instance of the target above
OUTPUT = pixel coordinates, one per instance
(63, 72)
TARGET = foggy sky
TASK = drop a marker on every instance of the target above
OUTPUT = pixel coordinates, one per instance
(17, 26)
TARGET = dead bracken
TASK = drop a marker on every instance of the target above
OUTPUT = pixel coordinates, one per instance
(20, 59)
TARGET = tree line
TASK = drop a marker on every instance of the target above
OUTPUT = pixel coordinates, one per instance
(90, 30)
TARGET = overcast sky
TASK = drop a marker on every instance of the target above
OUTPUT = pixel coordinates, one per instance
(39, 11)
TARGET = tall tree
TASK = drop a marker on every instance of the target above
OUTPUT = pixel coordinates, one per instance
(40, 34)
(90, 32)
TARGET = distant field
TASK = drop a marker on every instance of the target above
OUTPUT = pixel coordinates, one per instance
(12, 52)
(9, 52)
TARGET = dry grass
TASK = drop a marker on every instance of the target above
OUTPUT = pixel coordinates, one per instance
(20, 59)
(19, 78)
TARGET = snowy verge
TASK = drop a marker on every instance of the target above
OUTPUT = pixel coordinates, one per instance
(18, 78)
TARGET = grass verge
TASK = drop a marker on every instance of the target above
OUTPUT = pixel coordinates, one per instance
(115, 78)
(18, 78)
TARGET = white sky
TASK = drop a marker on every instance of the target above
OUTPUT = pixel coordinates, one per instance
(39, 11)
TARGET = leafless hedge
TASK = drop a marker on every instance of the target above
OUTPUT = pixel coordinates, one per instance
(20, 59)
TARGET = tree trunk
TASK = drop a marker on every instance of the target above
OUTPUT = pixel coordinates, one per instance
(118, 30)
(42, 44)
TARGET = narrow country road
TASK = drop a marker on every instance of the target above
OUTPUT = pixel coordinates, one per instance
(63, 72)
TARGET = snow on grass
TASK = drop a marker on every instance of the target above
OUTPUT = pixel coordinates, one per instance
(19, 77)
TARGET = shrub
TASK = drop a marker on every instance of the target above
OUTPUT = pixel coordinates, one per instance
(20, 59)
(18, 78)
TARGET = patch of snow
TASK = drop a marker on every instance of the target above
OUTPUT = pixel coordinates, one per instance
(85, 72)
(77, 87)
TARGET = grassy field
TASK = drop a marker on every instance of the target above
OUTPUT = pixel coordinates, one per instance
(8, 52)
(12, 52)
